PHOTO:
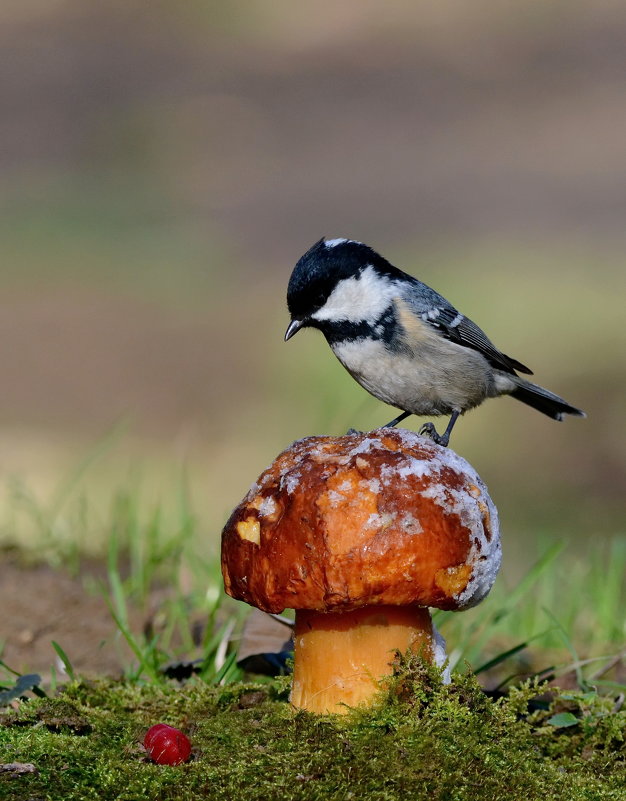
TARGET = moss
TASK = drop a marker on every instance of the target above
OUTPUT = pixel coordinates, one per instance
(422, 741)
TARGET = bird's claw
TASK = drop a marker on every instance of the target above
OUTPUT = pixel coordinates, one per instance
(429, 430)
(351, 431)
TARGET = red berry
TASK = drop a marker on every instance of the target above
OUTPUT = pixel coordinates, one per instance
(167, 745)
(152, 732)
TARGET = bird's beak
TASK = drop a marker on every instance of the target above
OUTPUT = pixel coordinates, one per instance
(293, 328)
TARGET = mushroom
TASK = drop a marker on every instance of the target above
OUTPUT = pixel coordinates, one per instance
(360, 534)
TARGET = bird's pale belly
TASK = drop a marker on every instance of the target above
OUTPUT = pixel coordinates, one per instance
(429, 381)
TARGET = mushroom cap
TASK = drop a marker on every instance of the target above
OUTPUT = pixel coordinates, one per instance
(386, 517)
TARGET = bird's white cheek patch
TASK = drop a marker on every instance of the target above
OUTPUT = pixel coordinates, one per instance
(359, 299)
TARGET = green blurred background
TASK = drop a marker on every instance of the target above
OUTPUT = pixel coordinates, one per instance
(165, 164)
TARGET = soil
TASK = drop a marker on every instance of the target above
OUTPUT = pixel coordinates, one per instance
(41, 605)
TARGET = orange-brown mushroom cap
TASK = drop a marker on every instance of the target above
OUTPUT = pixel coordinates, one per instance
(386, 517)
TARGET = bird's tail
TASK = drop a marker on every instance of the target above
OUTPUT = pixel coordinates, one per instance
(543, 400)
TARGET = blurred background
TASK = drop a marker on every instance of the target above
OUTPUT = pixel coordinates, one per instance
(164, 166)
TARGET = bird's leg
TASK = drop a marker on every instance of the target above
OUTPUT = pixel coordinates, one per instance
(429, 430)
(393, 423)
(398, 419)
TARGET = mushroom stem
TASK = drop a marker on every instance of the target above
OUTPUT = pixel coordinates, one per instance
(341, 656)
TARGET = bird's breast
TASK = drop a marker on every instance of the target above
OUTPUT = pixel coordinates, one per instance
(432, 377)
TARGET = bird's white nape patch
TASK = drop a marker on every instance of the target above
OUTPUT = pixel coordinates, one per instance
(361, 298)
(332, 243)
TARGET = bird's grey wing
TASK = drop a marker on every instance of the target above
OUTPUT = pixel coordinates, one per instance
(457, 328)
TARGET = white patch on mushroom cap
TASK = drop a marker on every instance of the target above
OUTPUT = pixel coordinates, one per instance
(268, 507)
(485, 554)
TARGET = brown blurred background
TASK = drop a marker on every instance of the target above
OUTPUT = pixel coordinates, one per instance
(165, 164)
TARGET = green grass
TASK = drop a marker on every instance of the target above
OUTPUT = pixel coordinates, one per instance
(565, 615)
(190, 625)
(421, 741)
(156, 568)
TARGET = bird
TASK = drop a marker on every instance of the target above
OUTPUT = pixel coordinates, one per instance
(403, 341)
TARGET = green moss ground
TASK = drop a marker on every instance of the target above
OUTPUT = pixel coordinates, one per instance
(423, 741)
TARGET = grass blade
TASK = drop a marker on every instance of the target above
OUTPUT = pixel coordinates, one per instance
(64, 660)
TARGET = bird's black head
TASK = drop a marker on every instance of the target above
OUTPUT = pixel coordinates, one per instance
(322, 267)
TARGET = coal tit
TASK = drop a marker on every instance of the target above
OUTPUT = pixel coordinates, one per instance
(402, 341)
